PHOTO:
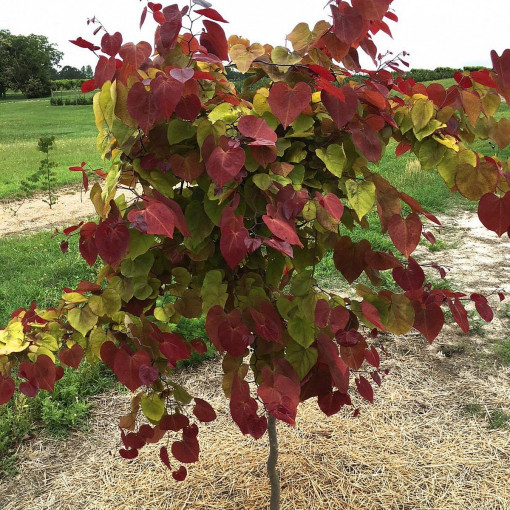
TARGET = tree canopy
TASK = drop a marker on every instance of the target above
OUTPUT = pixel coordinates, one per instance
(26, 62)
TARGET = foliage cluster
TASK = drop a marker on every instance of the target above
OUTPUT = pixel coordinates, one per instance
(240, 196)
(26, 62)
(68, 84)
(78, 100)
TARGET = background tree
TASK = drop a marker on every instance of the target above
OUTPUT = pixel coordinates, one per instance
(240, 196)
(26, 63)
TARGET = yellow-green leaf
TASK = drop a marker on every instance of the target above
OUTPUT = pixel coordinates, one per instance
(106, 303)
(422, 112)
(12, 339)
(82, 319)
(153, 407)
(301, 359)
(243, 57)
(361, 196)
(334, 158)
(400, 316)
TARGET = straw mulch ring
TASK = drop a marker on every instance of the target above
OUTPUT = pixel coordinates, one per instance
(415, 448)
(425, 443)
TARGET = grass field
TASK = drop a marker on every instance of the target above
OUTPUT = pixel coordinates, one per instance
(22, 122)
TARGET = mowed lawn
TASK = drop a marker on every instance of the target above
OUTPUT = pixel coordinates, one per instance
(22, 122)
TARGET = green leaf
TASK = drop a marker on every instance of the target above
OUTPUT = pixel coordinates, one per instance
(422, 112)
(302, 283)
(262, 181)
(82, 319)
(334, 158)
(302, 331)
(302, 359)
(96, 339)
(179, 130)
(400, 317)
(361, 196)
(107, 303)
(431, 153)
(214, 291)
(153, 407)
(139, 243)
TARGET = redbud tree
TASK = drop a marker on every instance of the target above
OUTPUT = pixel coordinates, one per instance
(235, 197)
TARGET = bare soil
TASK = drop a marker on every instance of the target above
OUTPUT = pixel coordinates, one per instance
(419, 446)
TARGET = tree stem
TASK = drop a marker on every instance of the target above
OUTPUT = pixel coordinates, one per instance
(272, 459)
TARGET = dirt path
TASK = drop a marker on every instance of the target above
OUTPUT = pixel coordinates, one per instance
(419, 446)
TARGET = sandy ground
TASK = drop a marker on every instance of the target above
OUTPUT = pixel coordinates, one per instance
(416, 447)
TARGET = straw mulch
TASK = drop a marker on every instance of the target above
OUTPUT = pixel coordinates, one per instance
(415, 448)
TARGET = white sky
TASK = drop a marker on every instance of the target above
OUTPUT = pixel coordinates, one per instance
(436, 33)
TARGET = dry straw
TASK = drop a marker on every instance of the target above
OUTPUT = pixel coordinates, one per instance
(415, 448)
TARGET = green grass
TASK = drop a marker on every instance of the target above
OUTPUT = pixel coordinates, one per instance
(34, 268)
(22, 122)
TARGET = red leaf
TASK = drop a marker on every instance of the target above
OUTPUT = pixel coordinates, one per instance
(364, 388)
(494, 212)
(243, 409)
(64, 246)
(110, 44)
(349, 257)
(330, 403)
(180, 474)
(187, 450)
(381, 261)
(402, 148)
(405, 233)
(483, 77)
(372, 9)
(339, 370)
(166, 94)
(428, 320)
(263, 154)
(257, 128)
(148, 374)
(332, 204)
(268, 323)
(189, 167)
(88, 86)
(287, 103)
(167, 33)
(7, 388)
(371, 313)
(459, 314)
(199, 345)
(338, 319)
(280, 391)
(163, 455)
(157, 219)
(112, 240)
(127, 368)
(189, 107)
(367, 141)
(142, 106)
(234, 236)
(143, 16)
(347, 24)
(87, 243)
(282, 228)
(204, 411)
(212, 14)
(482, 307)
(174, 422)
(372, 357)
(71, 357)
(133, 55)
(341, 112)
(174, 348)
(214, 40)
(280, 246)
(105, 69)
(223, 165)
(183, 74)
(502, 68)
(128, 454)
(410, 278)
(321, 315)
(82, 43)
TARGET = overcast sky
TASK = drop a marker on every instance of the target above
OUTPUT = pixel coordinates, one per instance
(452, 33)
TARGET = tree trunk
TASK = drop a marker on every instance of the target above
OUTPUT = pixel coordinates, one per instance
(274, 478)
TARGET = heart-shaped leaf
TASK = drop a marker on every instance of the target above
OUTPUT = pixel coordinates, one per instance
(71, 357)
(287, 103)
(223, 165)
(494, 212)
(405, 233)
(110, 44)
